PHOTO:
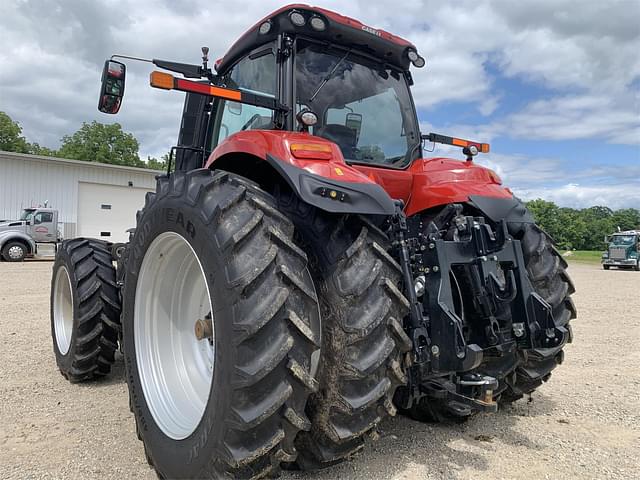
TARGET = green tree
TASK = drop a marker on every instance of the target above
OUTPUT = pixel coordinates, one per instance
(155, 164)
(582, 229)
(626, 219)
(548, 216)
(11, 139)
(36, 149)
(98, 142)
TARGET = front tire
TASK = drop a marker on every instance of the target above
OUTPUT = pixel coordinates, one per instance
(14, 252)
(85, 309)
(212, 248)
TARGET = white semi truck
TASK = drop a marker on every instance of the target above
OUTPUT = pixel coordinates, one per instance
(20, 238)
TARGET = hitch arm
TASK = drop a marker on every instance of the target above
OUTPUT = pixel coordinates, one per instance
(417, 330)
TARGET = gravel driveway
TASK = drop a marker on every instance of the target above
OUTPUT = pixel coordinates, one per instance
(584, 423)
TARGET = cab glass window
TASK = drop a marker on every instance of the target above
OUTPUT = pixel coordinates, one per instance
(362, 106)
(43, 217)
(256, 73)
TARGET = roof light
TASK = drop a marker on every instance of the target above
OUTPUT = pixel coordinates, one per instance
(265, 27)
(297, 19)
(413, 55)
(419, 62)
(318, 24)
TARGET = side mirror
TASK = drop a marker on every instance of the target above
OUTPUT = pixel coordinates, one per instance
(112, 88)
(354, 122)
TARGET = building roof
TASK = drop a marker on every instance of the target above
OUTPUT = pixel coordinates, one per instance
(78, 163)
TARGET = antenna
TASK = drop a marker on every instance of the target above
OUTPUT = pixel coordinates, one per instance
(205, 57)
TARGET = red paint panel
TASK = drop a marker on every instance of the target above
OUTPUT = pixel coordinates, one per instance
(259, 143)
(432, 182)
(439, 181)
(427, 183)
(358, 25)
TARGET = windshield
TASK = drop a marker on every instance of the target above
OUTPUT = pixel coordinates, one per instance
(27, 214)
(623, 239)
(363, 107)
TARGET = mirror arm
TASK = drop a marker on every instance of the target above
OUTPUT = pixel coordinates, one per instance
(186, 69)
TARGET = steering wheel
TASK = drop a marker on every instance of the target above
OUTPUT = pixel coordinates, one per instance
(251, 121)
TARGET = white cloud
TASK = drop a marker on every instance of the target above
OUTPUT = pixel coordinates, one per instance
(584, 53)
(622, 195)
(596, 117)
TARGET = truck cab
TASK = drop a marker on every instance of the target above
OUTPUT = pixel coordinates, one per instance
(19, 239)
(623, 250)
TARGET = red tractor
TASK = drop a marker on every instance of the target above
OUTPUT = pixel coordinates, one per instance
(302, 270)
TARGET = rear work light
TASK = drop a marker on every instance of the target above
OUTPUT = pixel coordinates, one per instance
(318, 24)
(265, 27)
(297, 19)
(316, 151)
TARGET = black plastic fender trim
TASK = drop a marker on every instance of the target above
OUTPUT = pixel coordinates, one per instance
(350, 197)
(509, 209)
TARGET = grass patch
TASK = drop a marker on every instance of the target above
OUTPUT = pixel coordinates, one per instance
(583, 256)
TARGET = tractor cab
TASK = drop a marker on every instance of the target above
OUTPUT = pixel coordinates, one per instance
(337, 78)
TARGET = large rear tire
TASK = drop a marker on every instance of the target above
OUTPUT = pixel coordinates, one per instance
(212, 254)
(547, 271)
(363, 340)
(85, 309)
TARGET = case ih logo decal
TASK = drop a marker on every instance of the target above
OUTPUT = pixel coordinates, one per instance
(372, 31)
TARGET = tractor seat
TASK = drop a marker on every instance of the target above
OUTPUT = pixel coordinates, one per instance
(343, 136)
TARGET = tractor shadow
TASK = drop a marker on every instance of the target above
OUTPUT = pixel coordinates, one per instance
(409, 449)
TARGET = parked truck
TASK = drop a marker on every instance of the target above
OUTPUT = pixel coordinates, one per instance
(623, 250)
(306, 269)
(20, 238)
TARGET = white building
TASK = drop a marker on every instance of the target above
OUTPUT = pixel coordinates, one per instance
(93, 199)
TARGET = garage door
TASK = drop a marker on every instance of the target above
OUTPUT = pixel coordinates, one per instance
(107, 211)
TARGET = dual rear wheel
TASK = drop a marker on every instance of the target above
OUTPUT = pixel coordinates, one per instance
(220, 326)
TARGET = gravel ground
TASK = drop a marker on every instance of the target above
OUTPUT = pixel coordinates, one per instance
(584, 423)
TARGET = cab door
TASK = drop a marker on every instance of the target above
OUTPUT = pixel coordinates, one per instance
(43, 228)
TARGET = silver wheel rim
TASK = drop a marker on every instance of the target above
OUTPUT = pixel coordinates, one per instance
(16, 252)
(63, 310)
(175, 368)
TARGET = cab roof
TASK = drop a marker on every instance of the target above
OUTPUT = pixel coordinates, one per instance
(340, 30)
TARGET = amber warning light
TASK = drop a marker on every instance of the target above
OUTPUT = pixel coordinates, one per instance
(458, 142)
(167, 81)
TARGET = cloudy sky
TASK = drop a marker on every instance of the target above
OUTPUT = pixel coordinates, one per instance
(553, 85)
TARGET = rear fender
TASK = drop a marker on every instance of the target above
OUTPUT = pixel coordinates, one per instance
(329, 184)
(440, 181)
